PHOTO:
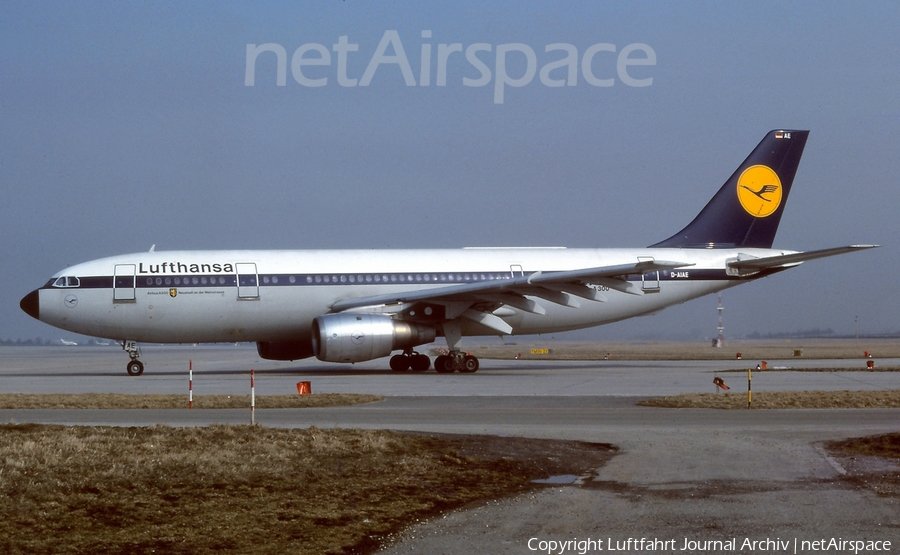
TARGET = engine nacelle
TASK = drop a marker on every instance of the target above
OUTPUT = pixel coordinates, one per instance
(360, 337)
(285, 350)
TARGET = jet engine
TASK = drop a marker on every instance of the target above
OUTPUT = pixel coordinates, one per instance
(285, 350)
(359, 337)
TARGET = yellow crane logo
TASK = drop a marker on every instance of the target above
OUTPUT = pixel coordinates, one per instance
(759, 191)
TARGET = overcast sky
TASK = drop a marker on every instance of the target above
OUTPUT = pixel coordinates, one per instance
(129, 124)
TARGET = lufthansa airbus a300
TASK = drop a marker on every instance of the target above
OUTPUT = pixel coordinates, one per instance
(357, 305)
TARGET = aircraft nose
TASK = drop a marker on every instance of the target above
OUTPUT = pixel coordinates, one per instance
(31, 304)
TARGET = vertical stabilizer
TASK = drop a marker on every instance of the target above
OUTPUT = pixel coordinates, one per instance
(747, 209)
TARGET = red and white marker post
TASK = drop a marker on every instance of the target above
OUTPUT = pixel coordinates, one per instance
(252, 399)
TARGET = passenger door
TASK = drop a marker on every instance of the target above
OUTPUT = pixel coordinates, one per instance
(650, 280)
(247, 281)
(123, 283)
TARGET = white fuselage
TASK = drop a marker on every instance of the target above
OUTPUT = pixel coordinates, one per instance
(227, 296)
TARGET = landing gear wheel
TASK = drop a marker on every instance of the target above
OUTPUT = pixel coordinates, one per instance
(469, 365)
(400, 363)
(135, 368)
(419, 363)
(444, 364)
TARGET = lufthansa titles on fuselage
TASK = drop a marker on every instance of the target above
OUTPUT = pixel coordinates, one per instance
(182, 268)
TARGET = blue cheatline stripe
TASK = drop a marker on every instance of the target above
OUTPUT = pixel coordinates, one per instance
(361, 279)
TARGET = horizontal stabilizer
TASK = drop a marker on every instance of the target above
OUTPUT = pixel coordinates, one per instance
(757, 264)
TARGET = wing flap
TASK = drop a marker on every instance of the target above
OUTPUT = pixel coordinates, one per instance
(620, 285)
(582, 291)
(488, 320)
(588, 274)
(515, 301)
(522, 285)
(558, 297)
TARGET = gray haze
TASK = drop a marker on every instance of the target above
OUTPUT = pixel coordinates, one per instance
(127, 125)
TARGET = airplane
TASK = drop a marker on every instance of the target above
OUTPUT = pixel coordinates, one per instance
(349, 306)
(67, 343)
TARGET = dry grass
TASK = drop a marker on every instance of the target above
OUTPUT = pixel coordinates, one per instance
(887, 445)
(856, 368)
(128, 401)
(735, 400)
(229, 489)
(755, 350)
(857, 456)
(781, 400)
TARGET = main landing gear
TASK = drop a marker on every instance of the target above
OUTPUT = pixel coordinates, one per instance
(410, 360)
(456, 361)
(444, 364)
(135, 367)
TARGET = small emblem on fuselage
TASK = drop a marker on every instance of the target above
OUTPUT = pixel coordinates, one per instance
(173, 292)
(759, 191)
(71, 301)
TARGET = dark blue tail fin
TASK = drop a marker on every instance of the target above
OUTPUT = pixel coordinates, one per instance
(747, 209)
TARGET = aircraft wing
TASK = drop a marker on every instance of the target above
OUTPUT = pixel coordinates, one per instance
(756, 264)
(560, 287)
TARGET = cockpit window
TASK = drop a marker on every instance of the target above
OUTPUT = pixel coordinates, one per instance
(67, 281)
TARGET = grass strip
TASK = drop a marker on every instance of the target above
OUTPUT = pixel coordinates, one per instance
(880, 479)
(129, 401)
(231, 489)
(751, 350)
(886, 399)
(821, 369)
(885, 445)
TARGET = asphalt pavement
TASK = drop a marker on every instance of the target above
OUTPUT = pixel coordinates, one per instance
(719, 479)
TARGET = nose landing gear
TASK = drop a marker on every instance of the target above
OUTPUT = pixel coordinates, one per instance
(134, 367)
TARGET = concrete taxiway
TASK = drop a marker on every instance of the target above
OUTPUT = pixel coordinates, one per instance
(680, 474)
(225, 369)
